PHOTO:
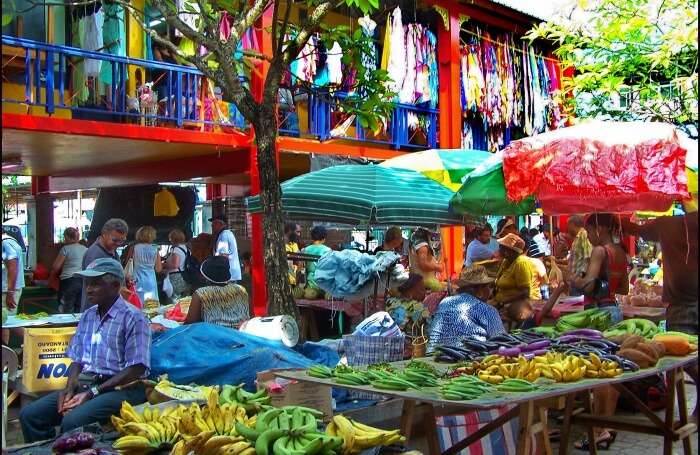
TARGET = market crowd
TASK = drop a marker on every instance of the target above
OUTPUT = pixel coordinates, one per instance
(511, 278)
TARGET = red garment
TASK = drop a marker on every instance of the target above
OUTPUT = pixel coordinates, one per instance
(614, 273)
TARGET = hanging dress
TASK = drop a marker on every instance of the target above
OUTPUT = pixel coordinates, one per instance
(397, 56)
(113, 37)
(145, 272)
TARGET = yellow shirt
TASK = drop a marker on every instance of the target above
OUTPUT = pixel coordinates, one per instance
(517, 275)
(292, 247)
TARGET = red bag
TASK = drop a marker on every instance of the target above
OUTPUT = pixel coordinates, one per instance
(129, 294)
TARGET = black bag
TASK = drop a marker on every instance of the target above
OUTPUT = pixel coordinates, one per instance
(190, 272)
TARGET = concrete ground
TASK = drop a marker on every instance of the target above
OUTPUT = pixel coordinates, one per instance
(626, 443)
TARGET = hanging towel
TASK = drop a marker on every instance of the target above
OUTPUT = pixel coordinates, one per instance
(90, 34)
(165, 204)
(334, 64)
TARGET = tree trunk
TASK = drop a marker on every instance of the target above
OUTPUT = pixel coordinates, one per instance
(279, 292)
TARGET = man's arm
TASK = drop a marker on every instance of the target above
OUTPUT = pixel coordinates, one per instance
(127, 375)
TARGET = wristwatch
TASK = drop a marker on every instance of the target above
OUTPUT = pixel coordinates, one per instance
(95, 391)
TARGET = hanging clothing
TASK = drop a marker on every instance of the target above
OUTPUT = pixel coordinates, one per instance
(91, 39)
(408, 87)
(386, 44)
(396, 66)
(165, 204)
(334, 64)
(113, 37)
(369, 60)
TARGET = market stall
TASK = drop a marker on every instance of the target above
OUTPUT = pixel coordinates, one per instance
(528, 401)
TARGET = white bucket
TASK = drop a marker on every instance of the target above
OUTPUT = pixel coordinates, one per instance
(279, 328)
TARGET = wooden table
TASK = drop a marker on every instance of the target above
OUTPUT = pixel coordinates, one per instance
(531, 407)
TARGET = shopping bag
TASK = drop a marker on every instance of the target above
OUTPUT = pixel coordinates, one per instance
(366, 350)
(167, 286)
(129, 294)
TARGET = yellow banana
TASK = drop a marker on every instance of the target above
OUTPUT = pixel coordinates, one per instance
(346, 431)
(132, 443)
(215, 442)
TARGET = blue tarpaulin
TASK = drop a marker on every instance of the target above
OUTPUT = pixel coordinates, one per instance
(208, 354)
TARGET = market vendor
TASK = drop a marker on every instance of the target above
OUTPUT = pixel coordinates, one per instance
(421, 255)
(481, 248)
(466, 315)
(220, 301)
(515, 281)
(111, 347)
(318, 247)
(393, 241)
(407, 309)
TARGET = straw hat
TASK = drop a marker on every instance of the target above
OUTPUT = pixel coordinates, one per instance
(474, 275)
(513, 242)
(506, 223)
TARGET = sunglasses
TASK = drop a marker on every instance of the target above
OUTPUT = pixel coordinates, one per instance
(117, 240)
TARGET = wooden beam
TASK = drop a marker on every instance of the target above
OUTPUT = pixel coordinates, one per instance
(334, 147)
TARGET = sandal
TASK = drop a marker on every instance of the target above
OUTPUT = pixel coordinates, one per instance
(602, 443)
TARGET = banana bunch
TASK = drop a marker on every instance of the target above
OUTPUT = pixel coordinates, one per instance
(127, 414)
(288, 430)
(320, 371)
(494, 369)
(251, 402)
(464, 388)
(147, 435)
(358, 437)
(599, 368)
(219, 419)
(208, 443)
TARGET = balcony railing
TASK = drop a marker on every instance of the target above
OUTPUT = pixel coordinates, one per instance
(47, 76)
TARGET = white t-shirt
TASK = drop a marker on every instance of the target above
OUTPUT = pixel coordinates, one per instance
(226, 244)
(181, 252)
(12, 250)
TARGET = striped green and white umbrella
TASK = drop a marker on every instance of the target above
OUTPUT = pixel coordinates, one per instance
(365, 194)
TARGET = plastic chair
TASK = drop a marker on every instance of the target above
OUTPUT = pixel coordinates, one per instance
(9, 363)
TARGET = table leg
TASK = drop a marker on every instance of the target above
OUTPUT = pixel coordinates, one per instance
(544, 430)
(430, 428)
(683, 412)
(670, 408)
(409, 407)
(526, 411)
(566, 426)
(588, 405)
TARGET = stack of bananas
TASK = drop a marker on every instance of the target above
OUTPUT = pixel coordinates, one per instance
(147, 431)
(251, 402)
(358, 437)
(558, 367)
(218, 418)
(494, 369)
(292, 430)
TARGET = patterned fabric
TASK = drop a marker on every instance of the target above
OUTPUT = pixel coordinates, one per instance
(365, 350)
(122, 338)
(224, 305)
(581, 250)
(463, 316)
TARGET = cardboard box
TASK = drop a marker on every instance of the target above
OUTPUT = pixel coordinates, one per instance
(285, 392)
(45, 365)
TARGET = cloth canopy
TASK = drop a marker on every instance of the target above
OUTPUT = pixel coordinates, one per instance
(359, 194)
(598, 167)
(448, 167)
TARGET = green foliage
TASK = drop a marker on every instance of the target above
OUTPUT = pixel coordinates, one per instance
(644, 50)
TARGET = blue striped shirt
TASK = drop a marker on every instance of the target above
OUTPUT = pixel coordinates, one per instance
(122, 338)
(463, 316)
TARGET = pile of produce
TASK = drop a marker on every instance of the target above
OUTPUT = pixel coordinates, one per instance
(464, 387)
(251, 402)
(589, 319)
(644, 293)
(636, 326)
(166, 390)
(78, 443)
(559, 367)
(309, 293)
(677, 343)
(639, 350)
(357, 437)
